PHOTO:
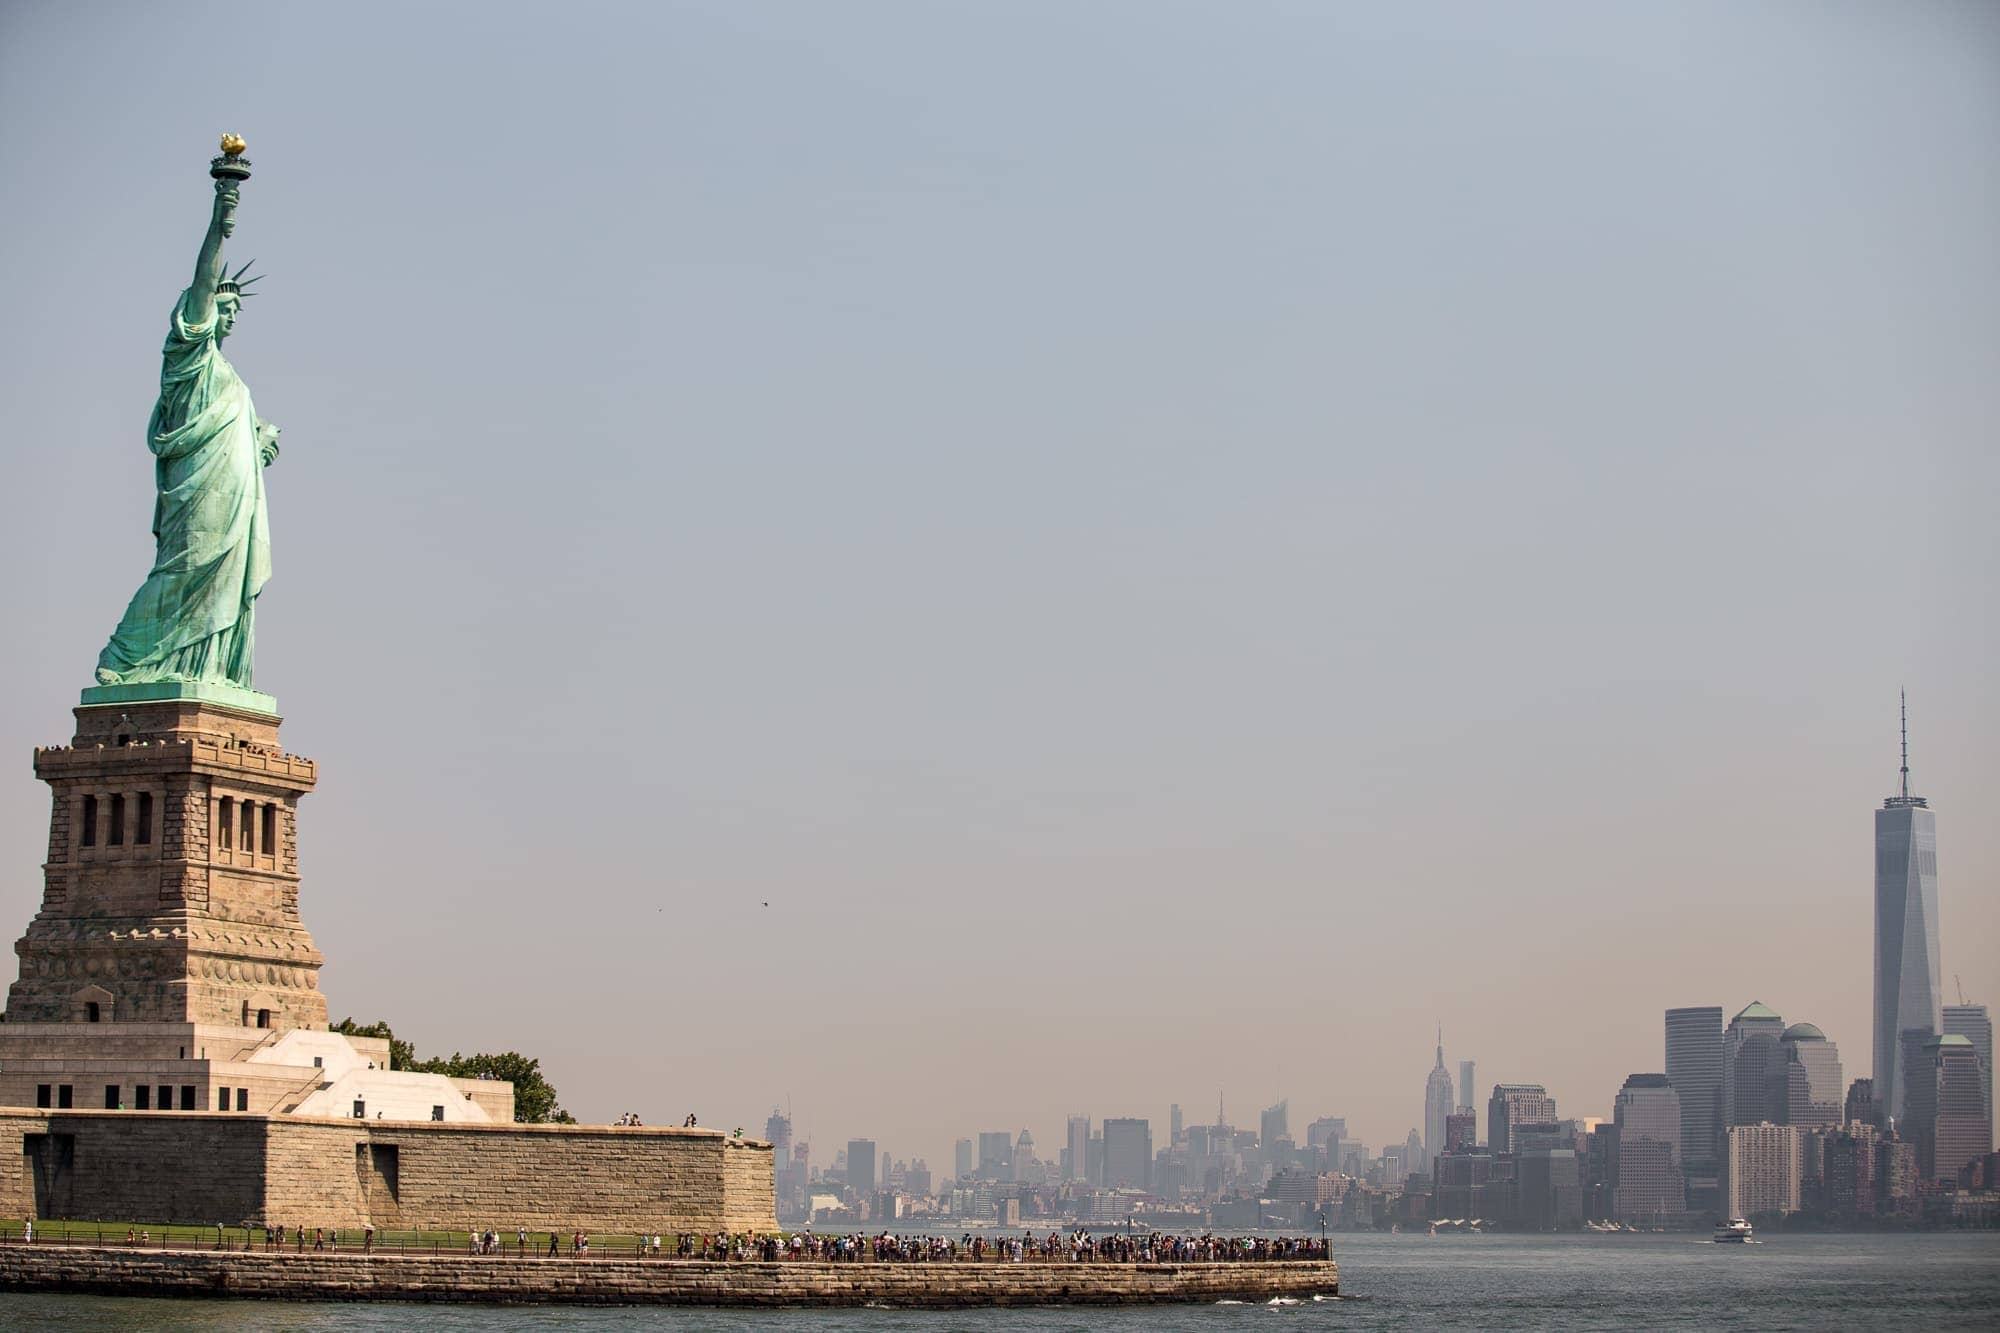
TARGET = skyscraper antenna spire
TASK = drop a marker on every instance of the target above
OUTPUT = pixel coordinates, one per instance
(1903, 697)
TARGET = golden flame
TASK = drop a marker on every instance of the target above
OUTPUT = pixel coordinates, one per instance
(233, 144)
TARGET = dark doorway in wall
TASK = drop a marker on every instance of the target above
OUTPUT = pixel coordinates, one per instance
(51, 1163)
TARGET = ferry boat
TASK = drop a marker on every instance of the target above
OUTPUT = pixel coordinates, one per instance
(1735, 1229)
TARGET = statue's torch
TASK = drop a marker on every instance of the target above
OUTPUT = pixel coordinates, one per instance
(231, 165)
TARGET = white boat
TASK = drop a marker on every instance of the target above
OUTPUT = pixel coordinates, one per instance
(1735, 1229)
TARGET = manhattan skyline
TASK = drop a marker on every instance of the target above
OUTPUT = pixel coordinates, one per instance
(1392, 516)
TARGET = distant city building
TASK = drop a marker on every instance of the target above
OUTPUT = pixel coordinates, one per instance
(1600, 1170)
(1759, 1069)
(961, 1159)
(1911, 1043)
(1463, 1184)
(996, 1155)
(1896, 1176)
(1753, 1103)
(1514, 1104)
(1461, 1132)
(1176, 1129)
(1303, 1187)
(1557, 1133)
(1812, 1166)
(1438, 1106)
(1272, 1125)
(1763, 1168)
(1079, 1147)
(1909, 993)
(778, 1133)
(1813, 1082)
(1694, 1068)
(1972, 1022)
(1027, 1165)
(1861, 1107)
(1354, 1158)
(1128, 1154)
(1648, 1184)
(1947, 1108)
(1548, 1189)
(1327, 1127)
(1468, 1080)
(1849, 1188)
(1393, 1166)
(861, 1172)
(786, 1184)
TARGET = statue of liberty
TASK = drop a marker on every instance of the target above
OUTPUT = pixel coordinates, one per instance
(190, 622)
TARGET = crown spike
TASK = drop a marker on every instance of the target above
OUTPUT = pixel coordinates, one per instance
(236, 284)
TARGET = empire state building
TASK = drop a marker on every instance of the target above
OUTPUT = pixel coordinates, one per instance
(1908, 989)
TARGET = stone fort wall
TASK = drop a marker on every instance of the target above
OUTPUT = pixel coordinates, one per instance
(203, 1168)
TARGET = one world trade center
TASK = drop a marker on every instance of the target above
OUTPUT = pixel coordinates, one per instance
(1908, 990)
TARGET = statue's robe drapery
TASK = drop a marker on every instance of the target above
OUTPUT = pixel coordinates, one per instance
(191, 619)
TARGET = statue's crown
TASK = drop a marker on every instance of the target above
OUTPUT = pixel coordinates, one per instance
(235, 284)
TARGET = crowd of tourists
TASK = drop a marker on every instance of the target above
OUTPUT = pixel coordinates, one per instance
(1076, 1247)
(323, 1238)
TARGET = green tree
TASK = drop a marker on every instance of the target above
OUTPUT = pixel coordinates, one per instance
(534, 1096)
(401, 1053)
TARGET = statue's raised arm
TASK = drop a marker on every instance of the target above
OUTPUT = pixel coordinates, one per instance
(199, 304)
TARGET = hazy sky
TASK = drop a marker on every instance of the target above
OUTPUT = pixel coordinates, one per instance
(1176, 545)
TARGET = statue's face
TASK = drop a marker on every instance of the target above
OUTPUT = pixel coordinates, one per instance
(226, 308)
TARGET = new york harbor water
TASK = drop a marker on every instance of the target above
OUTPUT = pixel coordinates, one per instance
(1784, 1281)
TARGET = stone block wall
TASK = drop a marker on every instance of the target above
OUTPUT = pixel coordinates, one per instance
(310, 1176)
(182, 1168)
(201, 1167)
(570, 1177)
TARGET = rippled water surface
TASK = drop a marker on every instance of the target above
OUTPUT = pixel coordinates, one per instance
(1949, 1280)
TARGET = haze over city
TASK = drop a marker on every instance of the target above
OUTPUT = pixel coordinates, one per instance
(1088, 602)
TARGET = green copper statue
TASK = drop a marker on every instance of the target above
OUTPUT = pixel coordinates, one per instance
(190, 622)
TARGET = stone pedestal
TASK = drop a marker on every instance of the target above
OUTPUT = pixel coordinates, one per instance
(171, 889)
